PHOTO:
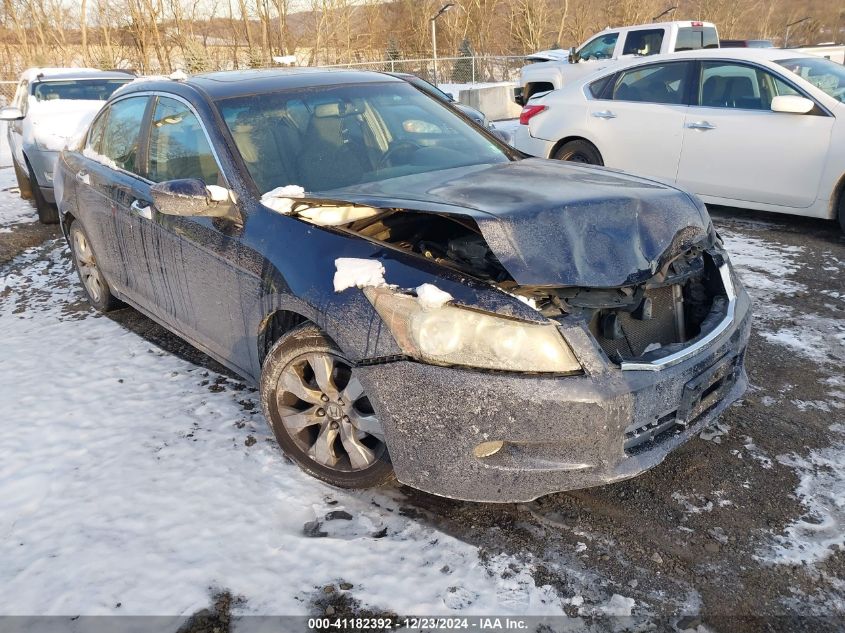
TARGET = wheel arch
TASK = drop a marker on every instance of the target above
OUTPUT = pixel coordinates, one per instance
(569, 139)
(274, 326)
(837, 200)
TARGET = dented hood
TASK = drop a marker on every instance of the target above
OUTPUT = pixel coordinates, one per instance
(556, 224)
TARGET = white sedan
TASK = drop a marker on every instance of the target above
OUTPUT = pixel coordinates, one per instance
(756, 128)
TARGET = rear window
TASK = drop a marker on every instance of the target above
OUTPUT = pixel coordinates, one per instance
(78, 89)
(693, 38)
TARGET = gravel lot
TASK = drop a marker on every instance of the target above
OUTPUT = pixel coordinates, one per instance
(742, 529)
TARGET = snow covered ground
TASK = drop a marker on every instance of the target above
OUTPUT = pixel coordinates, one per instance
(129, 478)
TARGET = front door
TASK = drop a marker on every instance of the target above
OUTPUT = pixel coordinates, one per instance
(193, 259)
(736, 148)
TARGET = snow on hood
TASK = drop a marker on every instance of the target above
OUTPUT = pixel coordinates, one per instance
(556, 224)
(56, 124)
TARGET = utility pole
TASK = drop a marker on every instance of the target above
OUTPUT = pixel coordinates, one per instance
(442, 10)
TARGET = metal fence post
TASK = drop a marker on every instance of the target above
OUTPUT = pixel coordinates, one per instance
(473, 69)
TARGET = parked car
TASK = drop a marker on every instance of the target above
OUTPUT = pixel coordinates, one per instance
(410, 295)
(605, 48)
(50, 107)
(445, 97)
(753, 128)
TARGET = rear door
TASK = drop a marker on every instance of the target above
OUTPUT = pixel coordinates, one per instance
(736, 148)
(638, 120)
(109, 185)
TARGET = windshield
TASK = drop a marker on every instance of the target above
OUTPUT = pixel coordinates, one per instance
(77, 89)
(324, 139)
(824, 74)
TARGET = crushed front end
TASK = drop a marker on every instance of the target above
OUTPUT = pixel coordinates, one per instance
(630, 274)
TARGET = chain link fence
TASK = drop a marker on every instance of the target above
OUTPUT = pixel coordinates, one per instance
(7, 91)
(450, 70)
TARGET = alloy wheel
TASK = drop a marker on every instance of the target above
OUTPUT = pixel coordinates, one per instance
(324, 410)
(87, 265)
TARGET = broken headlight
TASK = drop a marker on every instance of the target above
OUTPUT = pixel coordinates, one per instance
(450, 335)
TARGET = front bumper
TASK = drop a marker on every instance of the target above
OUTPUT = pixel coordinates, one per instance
(560, 433)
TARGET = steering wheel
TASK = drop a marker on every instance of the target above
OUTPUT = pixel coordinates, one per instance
(397, 147)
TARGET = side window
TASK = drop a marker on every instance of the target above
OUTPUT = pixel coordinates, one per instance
(600, 47)
(694, 38)
(658, 83)
(178, 145)
(123, 131)
(599, 85)
(729, 85)
(643, 42)
(95, 135)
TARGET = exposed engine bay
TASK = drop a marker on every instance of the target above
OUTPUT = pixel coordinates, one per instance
(684, 298)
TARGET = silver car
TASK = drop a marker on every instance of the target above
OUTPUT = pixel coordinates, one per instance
(50, 106)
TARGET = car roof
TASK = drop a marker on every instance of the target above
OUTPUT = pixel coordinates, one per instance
(742, 54)
(65, 74)
(235, 83)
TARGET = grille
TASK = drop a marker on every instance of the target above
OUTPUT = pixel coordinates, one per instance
(638, 334)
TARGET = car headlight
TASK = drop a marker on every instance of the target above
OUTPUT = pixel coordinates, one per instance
(450, 335)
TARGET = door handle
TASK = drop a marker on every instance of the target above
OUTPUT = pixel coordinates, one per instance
(701, 125)
(604, 114)
(142, 211)
(83, 177)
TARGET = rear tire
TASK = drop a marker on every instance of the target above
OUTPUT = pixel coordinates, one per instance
(96, 287)
(47, 213)
(579, 151)
(320, 414)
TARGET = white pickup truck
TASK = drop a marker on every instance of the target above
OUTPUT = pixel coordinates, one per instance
(604, 48)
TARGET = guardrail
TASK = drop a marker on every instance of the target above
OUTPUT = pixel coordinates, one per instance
(450, 70)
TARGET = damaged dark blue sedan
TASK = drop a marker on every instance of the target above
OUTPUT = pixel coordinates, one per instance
(414, 298)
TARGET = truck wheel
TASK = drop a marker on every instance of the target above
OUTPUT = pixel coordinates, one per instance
(96, 287)
(24, 185)
(579, 151)
(47, 213)
(318, 411)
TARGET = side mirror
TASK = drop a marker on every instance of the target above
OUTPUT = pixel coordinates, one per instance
(190, 197)
(10, 114)
(792, 104)
(573, 56)
(451, 96)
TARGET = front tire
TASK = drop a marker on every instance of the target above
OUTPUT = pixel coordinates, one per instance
(47, 213)
(320, 414)
(96, 287)
(579, 151)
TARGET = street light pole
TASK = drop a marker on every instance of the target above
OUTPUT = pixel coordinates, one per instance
(789, 26)
(442, 10)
